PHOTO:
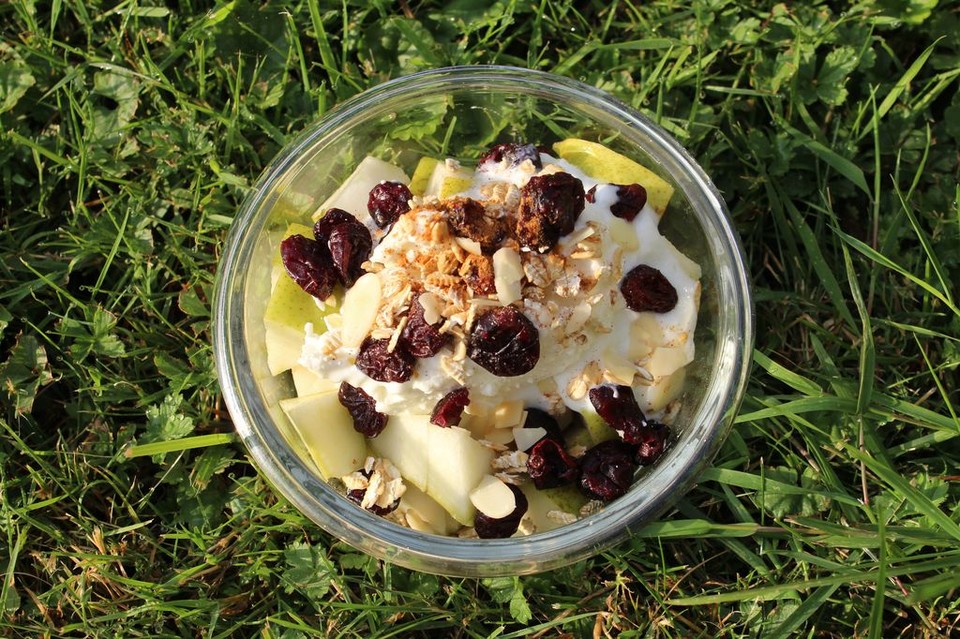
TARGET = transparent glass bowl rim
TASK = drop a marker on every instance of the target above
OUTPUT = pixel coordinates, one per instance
(518, 555)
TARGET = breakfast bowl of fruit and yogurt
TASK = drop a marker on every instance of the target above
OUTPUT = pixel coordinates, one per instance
(481, 321)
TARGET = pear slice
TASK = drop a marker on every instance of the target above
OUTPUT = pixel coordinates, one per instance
(665, 390)
(424, 514)
(422, 174)
(544, 506)
(359, 309)
(448, 179)
(457, 463)
(606, 165)
(326, 429)
(405, 441)
(309, 383)
(288, 310)
(353, 193)
(598, 429)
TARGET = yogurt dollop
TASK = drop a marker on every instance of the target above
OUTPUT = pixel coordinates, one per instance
(571, 293)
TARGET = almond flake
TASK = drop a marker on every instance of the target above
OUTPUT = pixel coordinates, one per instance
(468, 245)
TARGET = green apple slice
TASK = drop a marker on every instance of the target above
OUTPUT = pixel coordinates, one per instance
(326, 429)
(353, 193)
(606, 165)
(288, 310)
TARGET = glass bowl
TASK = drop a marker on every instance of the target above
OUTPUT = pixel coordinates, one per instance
(460, 112)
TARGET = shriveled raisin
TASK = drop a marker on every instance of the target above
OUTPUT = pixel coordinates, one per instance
(550, 466)
(363, 409)
(549, 207)
(468, 218)
(357, 494)
(387, 202)
(645, 288)
(607, 469)
(376, 361)
(617, 405)
(515, 154)
(504, 342)
(309, 264)
(651, 442)
(348, 242)
(419, 338)
(502, 527)
(449, 409)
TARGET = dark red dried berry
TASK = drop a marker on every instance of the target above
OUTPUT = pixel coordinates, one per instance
(350, 247)
(549, 207)
(550, 466)
(607, 469)
(356, 496)
(651, 442)
(617, 405)
(449, 409)
(645, 288)
(513, 153)
(537, 418)
(504, 342)
(376, 362)
(363, 409)
(308, 263)
(387, 202)
(348, 242)
(631, 198)
(330, 219)
(419, 338)
(469, 219)
(500, 528)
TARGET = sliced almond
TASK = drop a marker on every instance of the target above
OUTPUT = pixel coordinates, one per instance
(431, 307)
(468, 245)
(666, 389)
(493, 498)
(617, 367)
(333, 321)
(360, 306)
(525, 438)
(578, 317)
(507, 275)
(645, 335)
(508, 414)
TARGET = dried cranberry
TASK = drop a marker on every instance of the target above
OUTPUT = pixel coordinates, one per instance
(330, 219)
(549, 465)
(645, 288)
(549, 207)
(500, 528)
(449, 409)
(387, 202)
(504, 342)
(350, 247)
(651, 442)
(348, 242)
(309, 264)
(469, 219)
(357, 494)
(617, 405)
(363, 409)
(631, 198)
(419, 338)
(537, 418)
(607, 469)
(513, 153)
(377, 362)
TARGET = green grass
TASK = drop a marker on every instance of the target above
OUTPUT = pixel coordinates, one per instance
(132, 130)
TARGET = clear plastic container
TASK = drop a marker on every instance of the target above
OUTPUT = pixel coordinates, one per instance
(460, 112)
